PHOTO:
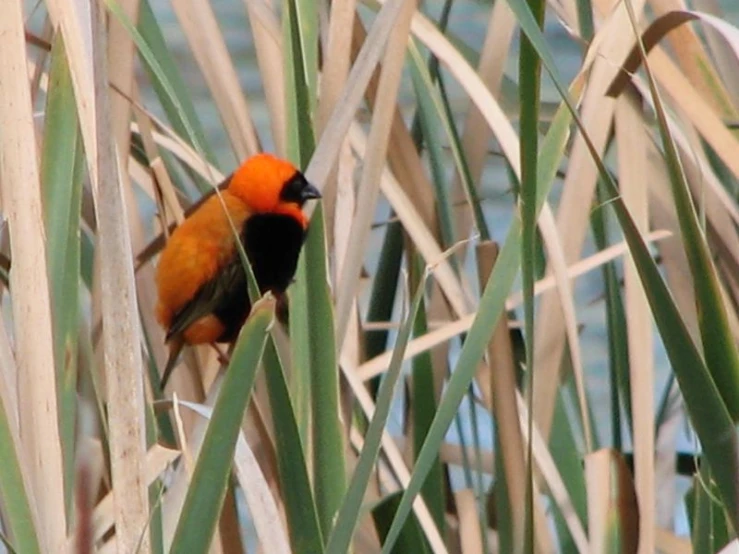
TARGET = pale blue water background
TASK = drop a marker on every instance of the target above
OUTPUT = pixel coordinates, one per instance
(468, 21)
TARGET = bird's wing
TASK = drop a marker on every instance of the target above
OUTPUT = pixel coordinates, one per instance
(216, 292)
(158, 242)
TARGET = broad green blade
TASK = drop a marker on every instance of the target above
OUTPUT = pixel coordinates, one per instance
(207, 490)
(411, 537)
(423, 408)
(329, 471)
(300, 507)
(62, 166)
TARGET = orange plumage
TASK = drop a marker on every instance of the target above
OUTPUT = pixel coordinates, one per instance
(200, 280)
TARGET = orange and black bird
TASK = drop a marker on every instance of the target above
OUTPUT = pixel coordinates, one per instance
(200, 279)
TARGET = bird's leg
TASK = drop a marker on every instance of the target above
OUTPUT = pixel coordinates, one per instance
(223, 358)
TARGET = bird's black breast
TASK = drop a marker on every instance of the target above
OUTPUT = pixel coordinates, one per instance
(272, 243)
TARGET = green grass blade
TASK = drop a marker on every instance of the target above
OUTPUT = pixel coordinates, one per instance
(430, 98)
(300, 507)
(719, 347)
(384, 287)
(347, 519)
(16, 509)
(423, 407)
(618, 348)
(329, 471)
(529, 69)
(566, 455)
(430, 136)
(305, 17)
(411, 537)
(298, 64)
(62, 166)
(708, 529)
(207, 490)
(300, 39)
(300, 379)
(180, 110)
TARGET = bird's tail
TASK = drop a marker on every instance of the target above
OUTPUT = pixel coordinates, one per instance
(175, 347)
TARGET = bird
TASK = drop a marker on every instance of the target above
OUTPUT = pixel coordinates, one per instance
(201, 282)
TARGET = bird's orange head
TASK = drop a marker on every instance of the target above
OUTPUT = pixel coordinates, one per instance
(267, 184)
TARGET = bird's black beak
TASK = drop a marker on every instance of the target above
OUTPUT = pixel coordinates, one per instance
(309, 192)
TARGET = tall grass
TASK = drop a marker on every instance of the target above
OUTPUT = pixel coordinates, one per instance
(417, 401)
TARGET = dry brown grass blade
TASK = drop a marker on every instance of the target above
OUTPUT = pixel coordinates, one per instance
(417, 230)
(574, 207)
(720, 52)
(211, 54)
(268, 47)
(122, 360)
(696, 109)
(470, 533)
(336, 61)
(328, 147)
(476, 136)
(611, 502)
(669, 543)
(694, 61)
(455, 454)
(374, 161)
(158, 459)
(500, 399)
(558, 266)
(169, 205)
(403, 158)
(410, 173)
(377, 365)
(632, 169)
(21, 199)
(121, 53)
(474, 87)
